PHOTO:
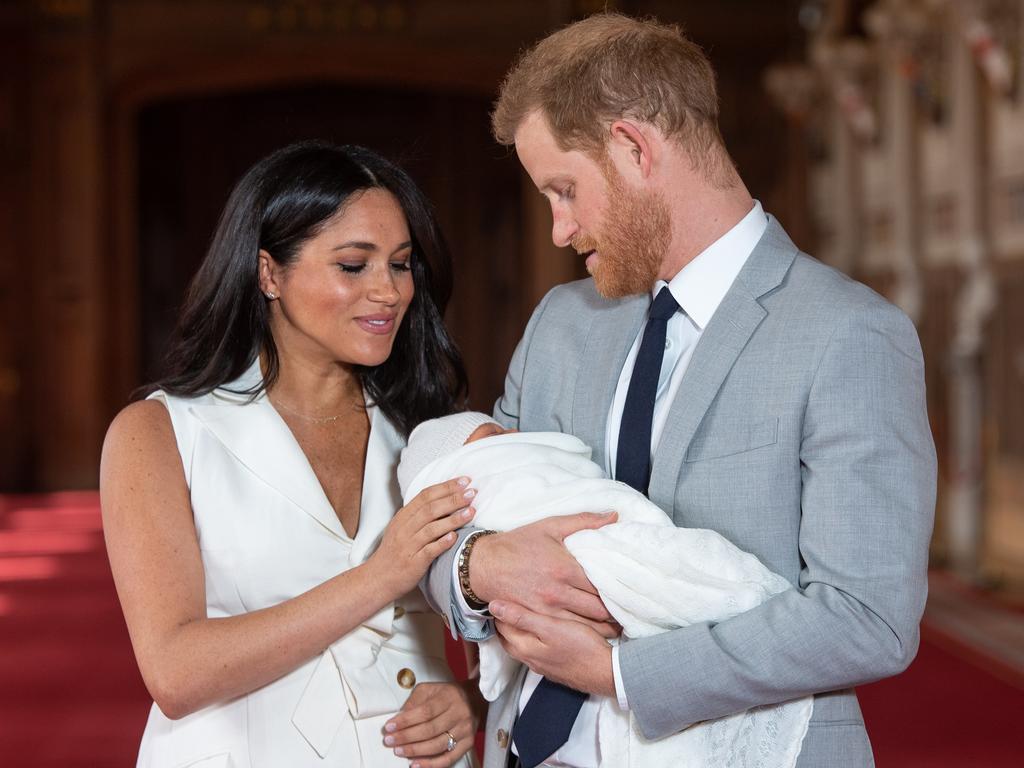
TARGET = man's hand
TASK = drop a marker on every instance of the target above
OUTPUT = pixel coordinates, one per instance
(530, 566)
(566, 651)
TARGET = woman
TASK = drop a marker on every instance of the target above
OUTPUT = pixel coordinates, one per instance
(249, 504)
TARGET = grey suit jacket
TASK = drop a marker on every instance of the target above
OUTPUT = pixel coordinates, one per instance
(800, 433)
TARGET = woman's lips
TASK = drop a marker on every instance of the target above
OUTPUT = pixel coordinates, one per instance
(379, 325)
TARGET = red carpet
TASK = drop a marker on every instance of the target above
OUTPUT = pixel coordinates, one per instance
(944, 711)
(70, 694)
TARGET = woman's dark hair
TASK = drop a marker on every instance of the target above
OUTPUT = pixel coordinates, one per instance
(280, 203)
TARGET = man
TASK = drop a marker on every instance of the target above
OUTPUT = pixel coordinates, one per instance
(760, 394)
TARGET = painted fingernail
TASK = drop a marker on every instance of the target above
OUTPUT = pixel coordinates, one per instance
(463, 481)
(469, 494)
(468, 512)
(399, 751)
(389, 740)
(391, 727)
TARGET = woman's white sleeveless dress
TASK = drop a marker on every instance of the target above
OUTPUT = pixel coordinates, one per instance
(267, 533)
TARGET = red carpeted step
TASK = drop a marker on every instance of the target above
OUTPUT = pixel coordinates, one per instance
(71, 693)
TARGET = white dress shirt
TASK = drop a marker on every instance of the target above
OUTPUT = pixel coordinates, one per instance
(698, 288)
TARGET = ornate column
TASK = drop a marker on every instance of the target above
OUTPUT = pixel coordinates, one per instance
(846, 66)
(896, 25)
(977, 297)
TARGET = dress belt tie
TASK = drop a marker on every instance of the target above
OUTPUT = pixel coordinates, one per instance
(347, 679)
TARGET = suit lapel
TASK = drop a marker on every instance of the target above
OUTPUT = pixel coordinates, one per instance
(716, 352)
(721, 343)
(611, 335)
(259, 439)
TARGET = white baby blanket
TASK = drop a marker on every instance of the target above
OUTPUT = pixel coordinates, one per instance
(652, 576)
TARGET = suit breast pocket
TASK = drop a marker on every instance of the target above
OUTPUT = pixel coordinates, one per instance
(733, 437)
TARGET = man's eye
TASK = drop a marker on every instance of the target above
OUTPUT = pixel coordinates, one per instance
(352, 269)
(568, 193)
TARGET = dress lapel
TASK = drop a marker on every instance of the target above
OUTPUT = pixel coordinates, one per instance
(255, 434)
(611, 335)
(381, 495)
(259, 439)
(721, 343)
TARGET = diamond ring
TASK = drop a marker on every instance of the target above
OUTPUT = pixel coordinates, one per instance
(451, 741)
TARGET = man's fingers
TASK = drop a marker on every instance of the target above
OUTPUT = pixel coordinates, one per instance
(568, 524)
(585, 605)
(607, 629)
(522, 619)
(511, 640)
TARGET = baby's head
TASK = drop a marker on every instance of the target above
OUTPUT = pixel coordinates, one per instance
(488, 429)
(439, 437)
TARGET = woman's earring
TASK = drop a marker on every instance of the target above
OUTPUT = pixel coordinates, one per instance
(270, 295)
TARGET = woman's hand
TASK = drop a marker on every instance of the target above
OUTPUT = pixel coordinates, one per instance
(420, 531)
(433, 712)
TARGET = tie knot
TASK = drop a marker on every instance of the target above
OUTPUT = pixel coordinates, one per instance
(664, 306)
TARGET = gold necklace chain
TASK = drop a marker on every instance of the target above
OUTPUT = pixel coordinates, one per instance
(314, 419)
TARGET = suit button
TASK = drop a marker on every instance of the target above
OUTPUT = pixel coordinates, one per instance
(502, 736)
(406, 677)
(399, 611)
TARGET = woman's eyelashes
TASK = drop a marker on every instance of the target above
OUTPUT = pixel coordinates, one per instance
(356, 268)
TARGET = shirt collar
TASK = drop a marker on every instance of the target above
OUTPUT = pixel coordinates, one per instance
(700, 286)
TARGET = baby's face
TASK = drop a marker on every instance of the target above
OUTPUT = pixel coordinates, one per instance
(489, 429)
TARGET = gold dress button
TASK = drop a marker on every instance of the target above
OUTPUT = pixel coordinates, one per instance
(406, 677)
(502, 738)
(399, 611)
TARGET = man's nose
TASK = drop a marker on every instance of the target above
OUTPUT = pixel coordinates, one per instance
(563, 229)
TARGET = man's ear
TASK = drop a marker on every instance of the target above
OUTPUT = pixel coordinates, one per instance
(267, 275)
(631, 148)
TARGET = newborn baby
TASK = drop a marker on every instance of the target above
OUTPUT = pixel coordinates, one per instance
(651, 575)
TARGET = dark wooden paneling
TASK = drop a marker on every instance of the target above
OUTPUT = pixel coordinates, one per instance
(15, 338)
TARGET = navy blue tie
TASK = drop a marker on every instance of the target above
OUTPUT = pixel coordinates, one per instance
(547, 719)
(633, 456)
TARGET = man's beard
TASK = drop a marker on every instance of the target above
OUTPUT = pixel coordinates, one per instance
(632, 243)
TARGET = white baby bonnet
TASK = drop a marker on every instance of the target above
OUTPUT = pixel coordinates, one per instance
(435, 438)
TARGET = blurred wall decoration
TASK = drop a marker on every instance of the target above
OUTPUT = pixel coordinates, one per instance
(887, 136)
(912, 114)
